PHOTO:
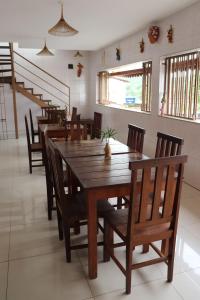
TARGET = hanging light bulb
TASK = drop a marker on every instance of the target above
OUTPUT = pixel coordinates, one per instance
(45, 51)
(78, 54)
(62, 28)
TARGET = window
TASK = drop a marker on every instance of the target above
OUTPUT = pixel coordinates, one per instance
(181, 86)
(127, 87)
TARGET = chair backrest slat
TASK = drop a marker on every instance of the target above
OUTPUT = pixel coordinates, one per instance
(135, 138)
(74, 114)
(168, 145)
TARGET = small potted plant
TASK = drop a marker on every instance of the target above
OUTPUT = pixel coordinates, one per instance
(106, 135)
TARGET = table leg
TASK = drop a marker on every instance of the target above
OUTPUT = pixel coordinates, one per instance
(92, 235)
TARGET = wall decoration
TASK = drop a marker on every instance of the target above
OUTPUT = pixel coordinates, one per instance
(78, 54)
(70, 66)
(79, 69)
(118, 55)
(153, 34)
(142, 46)
(170, 34)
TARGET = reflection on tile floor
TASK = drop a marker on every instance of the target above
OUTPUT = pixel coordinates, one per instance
(32, 259)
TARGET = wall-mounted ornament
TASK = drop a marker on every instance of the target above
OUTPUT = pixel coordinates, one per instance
(170, 34)
(79, 69)
(78, 54)
(70, 66)
(142, 46)
(118, 54)
(153, 34)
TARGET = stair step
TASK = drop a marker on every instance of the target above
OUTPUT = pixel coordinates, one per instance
(4, 47)
(6, 79)
(20, 82)
(29, 89)
(5, 60)
(38, 95)
(5, 70)
(47, 101)
(5, 55)
(5, 63)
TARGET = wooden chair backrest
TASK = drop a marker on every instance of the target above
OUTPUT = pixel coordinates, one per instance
(168, 145)
(96, 130)
(74, 114)
(75, 131)
(135, 137)
(27, 133)
(45, 110)
(57, 169)
(167, 176)
(55, 115)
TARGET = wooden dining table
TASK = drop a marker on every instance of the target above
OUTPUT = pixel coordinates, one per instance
(100, 178)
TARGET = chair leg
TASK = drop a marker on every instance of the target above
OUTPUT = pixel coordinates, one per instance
(145, 248)
(66, 230)
(171, 260)
(49, 200)
(119, 203)
(77, 229)
(60, 231)
(108, 241)
(165, 247)
(30, 162)
(128, 269)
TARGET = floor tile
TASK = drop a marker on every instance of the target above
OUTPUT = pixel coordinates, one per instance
(3, 280)
(186, 286)
(158, 290)
(34, 239)
(4, 242)
(47, 277)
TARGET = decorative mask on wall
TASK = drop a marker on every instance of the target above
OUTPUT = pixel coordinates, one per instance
(153, 34)
(142, 46)
(118, 55)
(170, 34)
(79, 69)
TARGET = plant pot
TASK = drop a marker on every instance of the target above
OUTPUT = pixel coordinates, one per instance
(107, 151)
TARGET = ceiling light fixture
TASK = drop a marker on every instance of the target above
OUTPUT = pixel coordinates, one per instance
(78, 54)
(62, 28)
(45, 51)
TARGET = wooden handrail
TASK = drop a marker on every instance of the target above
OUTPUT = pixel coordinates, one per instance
(41, 69)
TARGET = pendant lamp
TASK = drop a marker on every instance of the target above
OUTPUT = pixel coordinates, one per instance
(45, 51)
(62, 28)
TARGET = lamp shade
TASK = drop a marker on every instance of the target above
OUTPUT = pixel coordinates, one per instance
(62, 28)
(45, 51)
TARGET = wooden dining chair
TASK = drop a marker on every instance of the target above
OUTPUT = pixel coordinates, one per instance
(96, 128)
(135, 138)
(34, 132)
(135, 141)
(74, 114)
(168, 145)
(71, 208)
(75, 131)
(32, 148)
(55, 116)
(146, 223)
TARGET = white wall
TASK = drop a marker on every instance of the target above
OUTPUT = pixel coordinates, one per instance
(56, 65)
(186, 26)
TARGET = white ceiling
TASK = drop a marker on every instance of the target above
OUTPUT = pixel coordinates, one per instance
(99, 22)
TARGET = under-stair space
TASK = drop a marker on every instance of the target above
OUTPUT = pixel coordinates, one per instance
(30, 80)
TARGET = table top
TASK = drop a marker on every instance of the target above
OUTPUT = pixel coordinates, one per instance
(96, 171)
(84, 148)
(39, 118)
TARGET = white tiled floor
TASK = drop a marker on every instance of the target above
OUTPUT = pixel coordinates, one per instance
(32, 259)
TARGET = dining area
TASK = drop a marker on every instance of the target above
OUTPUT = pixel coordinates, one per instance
(121, 194)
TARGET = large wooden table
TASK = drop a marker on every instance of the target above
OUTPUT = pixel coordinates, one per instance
(99, 178)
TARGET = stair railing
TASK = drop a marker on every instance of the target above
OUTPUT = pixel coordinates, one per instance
(64, 85)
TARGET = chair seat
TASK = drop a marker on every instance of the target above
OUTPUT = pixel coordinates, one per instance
(76, 207)
(36, 147)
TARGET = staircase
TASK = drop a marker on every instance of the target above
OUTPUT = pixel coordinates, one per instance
(22, 75)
